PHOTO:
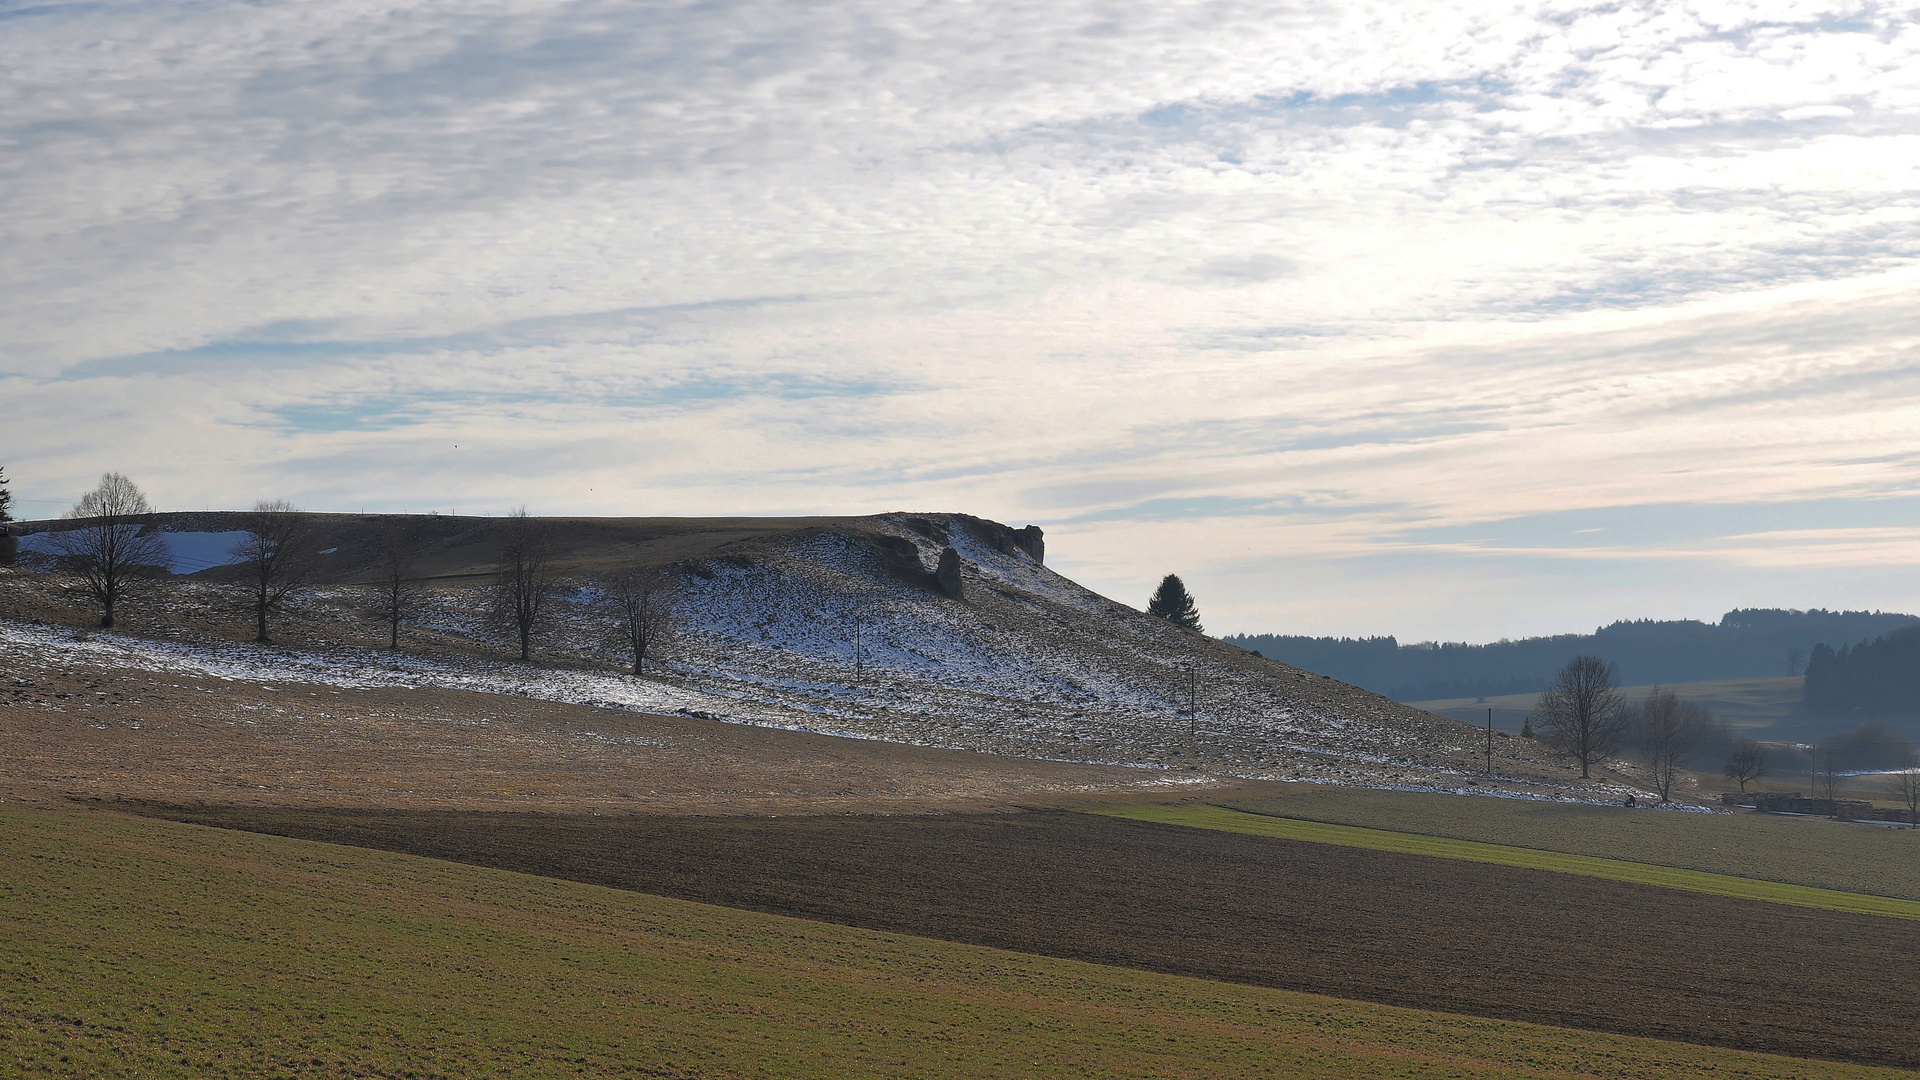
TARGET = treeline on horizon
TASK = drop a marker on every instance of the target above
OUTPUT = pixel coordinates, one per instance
(1870, 679)
(1746, 643)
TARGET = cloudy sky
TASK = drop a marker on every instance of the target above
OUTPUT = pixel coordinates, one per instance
(1448, 321)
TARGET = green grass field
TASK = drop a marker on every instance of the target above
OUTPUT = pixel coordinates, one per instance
(1800, 851)
(140, 948)
(1200, 816)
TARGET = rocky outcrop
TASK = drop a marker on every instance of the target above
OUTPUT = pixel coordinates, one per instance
(1034, 541)
(1007, 541)
(948, 574)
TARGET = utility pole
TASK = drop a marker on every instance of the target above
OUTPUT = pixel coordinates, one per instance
(1193, 711)
(858, 614)
(1489, 740)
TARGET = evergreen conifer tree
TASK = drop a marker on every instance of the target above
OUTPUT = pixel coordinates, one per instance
(9, 544)
(1172, 603)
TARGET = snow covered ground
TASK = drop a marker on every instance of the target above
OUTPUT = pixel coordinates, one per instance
(1028, 664)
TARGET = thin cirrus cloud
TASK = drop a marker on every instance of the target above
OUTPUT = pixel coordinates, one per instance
(1340, 310)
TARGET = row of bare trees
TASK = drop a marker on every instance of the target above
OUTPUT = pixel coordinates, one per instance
(634, 607)
(112, 542)
(1583, 715)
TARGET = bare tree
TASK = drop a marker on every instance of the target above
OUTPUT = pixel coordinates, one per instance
(115, 542)
(275, 558)
(523, 585)
(638, 606)
(396, 592)
(1907, 784)
(1826, 773)
(1581, 713)
(1747, 763)
(1668, 729)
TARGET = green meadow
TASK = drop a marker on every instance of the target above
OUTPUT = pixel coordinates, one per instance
(1872, 859)
(1226, 819)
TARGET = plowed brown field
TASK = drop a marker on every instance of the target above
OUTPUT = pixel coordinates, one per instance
(1377, 926)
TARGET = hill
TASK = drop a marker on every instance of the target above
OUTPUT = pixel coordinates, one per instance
(1744, 644)
(836, 625)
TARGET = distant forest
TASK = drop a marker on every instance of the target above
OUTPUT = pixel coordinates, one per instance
(1873, 679)
(1744, 644)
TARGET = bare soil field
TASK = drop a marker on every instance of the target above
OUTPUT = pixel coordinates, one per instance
(90, 732)
(1375, 926)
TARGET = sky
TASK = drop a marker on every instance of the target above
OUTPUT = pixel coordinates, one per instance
(1448, 321)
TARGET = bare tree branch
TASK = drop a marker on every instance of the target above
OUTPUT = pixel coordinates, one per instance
(115, 543)
(1826, 773)
(396, 592)
(523, 586)
(1668, 729)
(1581, 713)
(275, 559)
(1907, 784)
(638, 606)
(1747, 763)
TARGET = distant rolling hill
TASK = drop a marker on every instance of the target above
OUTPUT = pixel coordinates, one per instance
(1761, 708)
(1746, 644)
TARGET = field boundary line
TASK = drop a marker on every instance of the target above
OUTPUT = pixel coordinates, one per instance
(1253, 823)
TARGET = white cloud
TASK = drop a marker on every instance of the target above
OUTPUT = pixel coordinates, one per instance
(1044, 260)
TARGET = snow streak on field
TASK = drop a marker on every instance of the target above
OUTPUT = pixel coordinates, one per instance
(1028, 664)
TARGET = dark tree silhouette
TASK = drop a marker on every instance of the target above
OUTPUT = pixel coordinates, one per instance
(275, 558)
(1747, 763)
(523, 585)
(396, 593)
(638, 606)
(1172, 603)
(113, 543)
(9, 544)
(1581, 712)
(1874, 678)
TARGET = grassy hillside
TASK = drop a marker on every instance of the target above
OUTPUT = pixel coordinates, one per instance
(1750, 705)
(830, 625)
(1803, 851)
(155, 949)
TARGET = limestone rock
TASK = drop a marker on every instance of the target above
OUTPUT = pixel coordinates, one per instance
(948, 574)
(1033, 541)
